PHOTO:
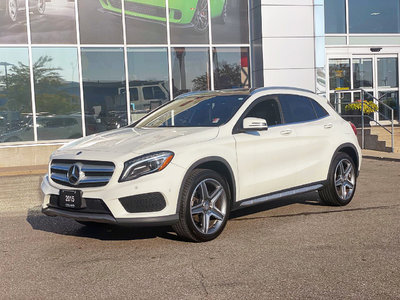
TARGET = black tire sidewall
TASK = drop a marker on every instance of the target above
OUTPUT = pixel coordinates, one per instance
(331, 178)
(204, 174)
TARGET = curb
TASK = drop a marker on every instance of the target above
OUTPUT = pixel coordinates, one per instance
(381, 158)
(23, 171)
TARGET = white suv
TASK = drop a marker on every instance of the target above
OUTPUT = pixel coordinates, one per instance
(192, 161)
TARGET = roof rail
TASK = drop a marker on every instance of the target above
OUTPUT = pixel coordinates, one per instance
(210, 92)
(281, 88)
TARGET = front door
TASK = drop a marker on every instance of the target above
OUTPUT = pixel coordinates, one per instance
(267, 160)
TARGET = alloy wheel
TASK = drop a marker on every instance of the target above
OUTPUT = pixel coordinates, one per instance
(208, 206)
(200, 20)
(12, 10)
(41, 6)
(344, 179)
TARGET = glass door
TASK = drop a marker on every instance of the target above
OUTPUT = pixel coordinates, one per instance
(387, 88)
(376, 74)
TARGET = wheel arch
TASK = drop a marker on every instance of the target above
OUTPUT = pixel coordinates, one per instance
(217, 164)
(350, 150)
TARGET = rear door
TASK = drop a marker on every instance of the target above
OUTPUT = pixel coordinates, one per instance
(313, 127)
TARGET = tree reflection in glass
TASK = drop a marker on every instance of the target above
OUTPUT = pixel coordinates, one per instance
(57, 96)
(15, 96)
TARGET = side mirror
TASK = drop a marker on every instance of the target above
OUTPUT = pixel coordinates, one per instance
(254, 124)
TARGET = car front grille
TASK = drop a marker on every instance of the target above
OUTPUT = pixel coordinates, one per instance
(87, 173)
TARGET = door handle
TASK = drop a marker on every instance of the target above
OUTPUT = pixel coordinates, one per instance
(328, 126)
(286, 132)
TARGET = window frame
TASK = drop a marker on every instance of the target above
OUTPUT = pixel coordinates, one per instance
(238, 128)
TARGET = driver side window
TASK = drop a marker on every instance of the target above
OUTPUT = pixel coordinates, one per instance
(267, 109)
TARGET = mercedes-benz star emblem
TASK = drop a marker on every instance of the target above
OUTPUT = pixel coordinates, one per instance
(73, 175)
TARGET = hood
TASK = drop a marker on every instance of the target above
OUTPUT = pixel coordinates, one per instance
(141, 140)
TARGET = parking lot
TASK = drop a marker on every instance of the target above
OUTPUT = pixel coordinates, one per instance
(292, 248)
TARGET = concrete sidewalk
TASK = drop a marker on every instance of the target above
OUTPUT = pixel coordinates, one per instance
(381, 155)
(26, 170)
(42, 169)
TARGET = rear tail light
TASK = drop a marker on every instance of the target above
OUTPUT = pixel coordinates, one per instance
(354, 128)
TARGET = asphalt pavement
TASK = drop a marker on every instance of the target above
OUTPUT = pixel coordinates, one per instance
(293, 248)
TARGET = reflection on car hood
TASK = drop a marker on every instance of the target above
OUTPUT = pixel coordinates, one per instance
(141, 140)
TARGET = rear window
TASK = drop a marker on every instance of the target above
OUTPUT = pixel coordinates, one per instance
(297, 109)
(319, 110)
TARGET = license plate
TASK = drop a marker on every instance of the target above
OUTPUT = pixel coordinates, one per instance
(71, 199)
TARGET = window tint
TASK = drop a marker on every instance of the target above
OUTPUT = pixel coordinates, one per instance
(335, 16)
(267, 109)
(153, 93)
(319, 110)
(297, 109)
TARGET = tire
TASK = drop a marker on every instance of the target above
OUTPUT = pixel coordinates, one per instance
(41, 7)
(199, 208)
(342, 181)
(200, 18)
(12, 10)
(224, 15)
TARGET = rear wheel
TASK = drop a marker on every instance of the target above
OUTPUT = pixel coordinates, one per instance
(12, 9)
(224, 15)
(41, 7)
(204, 206)
(341, 185)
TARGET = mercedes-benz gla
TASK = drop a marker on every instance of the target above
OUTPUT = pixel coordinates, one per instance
(192, 161)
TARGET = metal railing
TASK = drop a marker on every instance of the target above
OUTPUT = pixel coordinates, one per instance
(338, 107)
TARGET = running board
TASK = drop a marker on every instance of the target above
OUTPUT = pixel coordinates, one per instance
(278, 195)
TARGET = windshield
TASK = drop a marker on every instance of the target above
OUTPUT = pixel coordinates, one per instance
(196, 111)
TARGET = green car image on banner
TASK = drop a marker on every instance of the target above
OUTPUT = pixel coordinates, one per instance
(193, 13)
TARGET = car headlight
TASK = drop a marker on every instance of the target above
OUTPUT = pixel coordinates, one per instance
(146, 164)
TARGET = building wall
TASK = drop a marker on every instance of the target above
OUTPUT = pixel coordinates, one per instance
(288, 45)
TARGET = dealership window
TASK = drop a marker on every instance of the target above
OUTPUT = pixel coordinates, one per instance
(104, 89)
(145, 23)
(230, 22)
(387, 72)
(231, 68)
(339, 74)
(335, 16)
(12, 25)
(57, 93)
(196, 31)
(374, 16)
(190, 70)
(148, 79)
(100, 21)
(189, 22)
(53, 22)
(16, 122)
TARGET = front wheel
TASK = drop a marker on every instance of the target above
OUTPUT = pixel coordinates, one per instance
(200, 18)
(341, 185)
(204, 206)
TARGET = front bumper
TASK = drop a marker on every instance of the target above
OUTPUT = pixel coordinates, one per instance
(167, 183)
(103, 218)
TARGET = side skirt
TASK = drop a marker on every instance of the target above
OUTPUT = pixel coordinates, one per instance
(277, 195)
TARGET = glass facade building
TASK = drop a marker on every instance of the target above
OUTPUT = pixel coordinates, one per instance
(363, 48)
(71, 68)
